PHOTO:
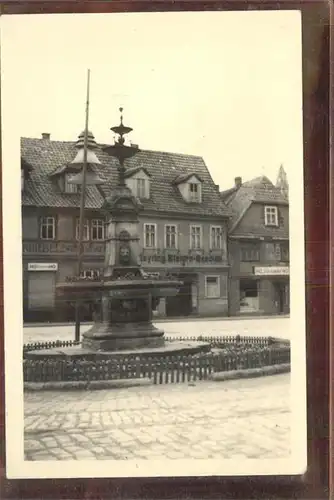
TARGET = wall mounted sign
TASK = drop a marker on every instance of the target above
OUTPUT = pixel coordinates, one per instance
(42, 266)
(272, 271)
(184, 260)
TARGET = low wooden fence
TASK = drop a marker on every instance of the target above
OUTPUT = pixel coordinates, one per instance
(34, 346)
(174, 369)
(215, 341)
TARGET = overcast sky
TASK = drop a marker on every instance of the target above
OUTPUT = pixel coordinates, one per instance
(225, 86)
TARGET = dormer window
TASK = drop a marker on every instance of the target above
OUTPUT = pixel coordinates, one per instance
(270, 216)
(141, 187)
(190, 187)
(194, 192)
(138, 180)
(68, 187)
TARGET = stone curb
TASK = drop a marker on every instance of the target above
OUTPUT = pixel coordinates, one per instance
(82, 385)
(251, 372)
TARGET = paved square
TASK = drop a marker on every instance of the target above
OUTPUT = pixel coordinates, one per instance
(255, 327)
(247, 418)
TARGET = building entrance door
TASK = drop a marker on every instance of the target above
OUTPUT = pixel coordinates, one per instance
(280, 297)
(41, 295)
(181, 304)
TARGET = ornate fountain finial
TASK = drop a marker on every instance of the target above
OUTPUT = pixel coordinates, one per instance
(121, 130)
(119, 149)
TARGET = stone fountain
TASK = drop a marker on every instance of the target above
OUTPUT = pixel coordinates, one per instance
(126, 294)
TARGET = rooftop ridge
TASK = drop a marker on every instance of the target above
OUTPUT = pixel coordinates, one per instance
(103, 145)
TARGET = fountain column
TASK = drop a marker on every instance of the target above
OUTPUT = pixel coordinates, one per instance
(126, 313)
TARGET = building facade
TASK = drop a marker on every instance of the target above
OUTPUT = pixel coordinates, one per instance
(258, 247)
(183, 227)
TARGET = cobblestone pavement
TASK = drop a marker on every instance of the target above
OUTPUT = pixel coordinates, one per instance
(247, 418)
(276, 327)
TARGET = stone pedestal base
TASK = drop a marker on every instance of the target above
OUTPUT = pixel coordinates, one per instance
(105, 337)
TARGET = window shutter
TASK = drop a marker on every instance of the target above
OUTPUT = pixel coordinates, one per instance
(280, 217)
(263, 217)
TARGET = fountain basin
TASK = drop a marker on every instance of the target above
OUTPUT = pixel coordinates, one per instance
(121, 288)
(124, 311)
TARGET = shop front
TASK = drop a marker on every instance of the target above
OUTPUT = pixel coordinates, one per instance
(185, 302)
(266, 291)
(39, 291)
(42, 302)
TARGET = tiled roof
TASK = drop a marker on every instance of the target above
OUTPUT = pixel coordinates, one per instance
(46, 156)
(228, 194)
(258, 190)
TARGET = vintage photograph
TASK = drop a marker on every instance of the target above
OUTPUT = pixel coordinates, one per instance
(153, 244)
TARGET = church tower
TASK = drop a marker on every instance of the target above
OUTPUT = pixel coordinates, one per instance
(282, 182)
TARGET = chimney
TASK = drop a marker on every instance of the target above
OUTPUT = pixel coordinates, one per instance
(238, 182)
(217, 188)
(46, 136)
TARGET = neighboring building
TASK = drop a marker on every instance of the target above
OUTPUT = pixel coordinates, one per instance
(258, 247)
(183, 226)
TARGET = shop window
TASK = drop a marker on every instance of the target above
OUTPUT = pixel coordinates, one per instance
(90, 274)
(249, 296)
(212, 287)
(250, 253)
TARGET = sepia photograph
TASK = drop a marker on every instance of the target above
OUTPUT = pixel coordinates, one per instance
(153, 224)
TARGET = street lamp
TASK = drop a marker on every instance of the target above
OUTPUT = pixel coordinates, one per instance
(85, 155)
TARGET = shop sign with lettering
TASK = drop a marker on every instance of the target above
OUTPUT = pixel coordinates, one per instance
(272, 271)
(42, 266)
(181, 259)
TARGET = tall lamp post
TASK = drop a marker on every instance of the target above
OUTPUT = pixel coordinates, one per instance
(86, 144)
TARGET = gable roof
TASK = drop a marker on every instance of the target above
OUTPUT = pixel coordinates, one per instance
(258, 190)
(227, 195)
(186, 176)
(134, 170)
(46, 156)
